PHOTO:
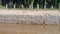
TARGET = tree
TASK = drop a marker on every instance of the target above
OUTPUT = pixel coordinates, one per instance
(31, 3)
(35, 3)
(48, 3)
(41, 3)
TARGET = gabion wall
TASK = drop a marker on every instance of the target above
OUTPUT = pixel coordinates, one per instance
(30, 19)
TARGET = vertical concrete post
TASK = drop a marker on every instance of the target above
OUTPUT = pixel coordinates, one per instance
(59, 5)
(31, 6)
(14, 6)
(6, 6)
(52, 6)
(22, 6)
(45, 5)
(37, 6)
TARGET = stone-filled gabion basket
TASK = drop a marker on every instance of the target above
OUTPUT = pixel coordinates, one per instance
(30, 19)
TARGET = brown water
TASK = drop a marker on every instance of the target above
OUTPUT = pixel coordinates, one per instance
(29, 29)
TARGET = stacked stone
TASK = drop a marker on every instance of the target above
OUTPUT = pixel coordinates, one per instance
(31, 19)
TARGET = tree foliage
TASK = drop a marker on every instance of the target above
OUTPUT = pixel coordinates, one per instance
(26, 3)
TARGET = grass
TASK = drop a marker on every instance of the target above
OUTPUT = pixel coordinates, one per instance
(2, 7)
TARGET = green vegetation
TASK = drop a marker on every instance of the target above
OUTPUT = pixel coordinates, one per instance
(2, 7)
(31, 3)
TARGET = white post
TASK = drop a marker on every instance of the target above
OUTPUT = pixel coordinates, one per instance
(32, 5)
(14, 6)
(6, 6)
(59, 5)
(45, 5)
(52, 6)
(22, 6)
(37, 6)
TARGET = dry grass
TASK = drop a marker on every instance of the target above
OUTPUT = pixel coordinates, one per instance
(28, 29)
